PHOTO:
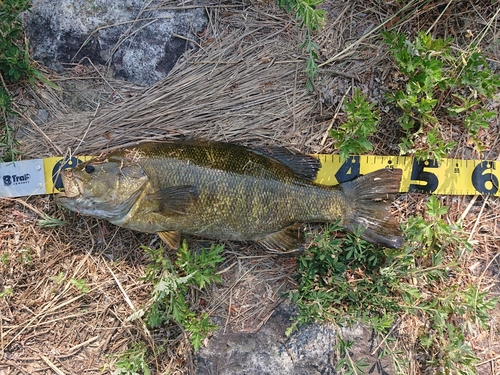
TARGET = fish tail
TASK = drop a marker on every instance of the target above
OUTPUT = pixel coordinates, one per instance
(369, 199)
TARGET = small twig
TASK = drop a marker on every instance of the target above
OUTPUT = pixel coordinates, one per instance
(188, 39)
(469, 206)
(51, 365)
(339, 106)
(114, 25)
(72, 350)
(488, 360)
(387, 335)
(27, 205)
(125, 296)
(228, 311)
(440, 15)
(37, 128)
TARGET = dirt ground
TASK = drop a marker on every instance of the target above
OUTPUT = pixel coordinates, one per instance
(255, 95)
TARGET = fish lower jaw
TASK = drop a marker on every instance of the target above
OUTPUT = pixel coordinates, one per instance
(70, 194)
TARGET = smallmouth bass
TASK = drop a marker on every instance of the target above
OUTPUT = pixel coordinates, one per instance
(226, 191)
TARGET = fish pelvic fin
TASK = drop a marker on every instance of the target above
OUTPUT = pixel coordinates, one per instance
(289, 238)
(171, 238)
(369, 199)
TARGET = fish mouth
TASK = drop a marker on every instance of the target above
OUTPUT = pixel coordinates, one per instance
(71, 185)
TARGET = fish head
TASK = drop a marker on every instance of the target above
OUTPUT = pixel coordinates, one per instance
(103, 188)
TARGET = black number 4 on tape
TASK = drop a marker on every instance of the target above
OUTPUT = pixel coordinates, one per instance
(349, 170)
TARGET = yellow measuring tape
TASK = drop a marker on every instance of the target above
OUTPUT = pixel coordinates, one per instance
(448, 177)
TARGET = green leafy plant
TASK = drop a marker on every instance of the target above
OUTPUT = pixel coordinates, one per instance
(50, 222)
(443, 86)
(80, 284)
(25, 256)
(14, 57)
(352, 136)
(171, 284)
(7, 139)
(344, 279)
(346, 365)
(133, 361)
(6, 292)
(313, 18)
(15, 65)
(58, 279)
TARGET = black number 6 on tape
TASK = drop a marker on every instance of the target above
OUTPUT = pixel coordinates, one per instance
(483, 179)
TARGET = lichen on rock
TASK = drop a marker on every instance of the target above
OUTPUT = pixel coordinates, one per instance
(140, 43)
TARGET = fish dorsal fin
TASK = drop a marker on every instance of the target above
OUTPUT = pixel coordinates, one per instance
(289, 238)
(304, 166)
(171, 238)
(174, 200)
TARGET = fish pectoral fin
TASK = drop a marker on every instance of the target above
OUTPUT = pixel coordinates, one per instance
(289, 238)
(171, 238)
(174, 199)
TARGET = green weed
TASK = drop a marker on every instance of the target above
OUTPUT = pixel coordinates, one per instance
(25, 257)
(133, 361)
(50, 222)
(6, 292)
(14, 57)
(15, 65)
(345, 364)
(347, 280)
(313, 19)
(58, 279)
(362, 120)
(443, 86)
(80, 284)
(172, 283)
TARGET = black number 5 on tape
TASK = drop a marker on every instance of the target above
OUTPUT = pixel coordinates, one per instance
(59, 166)
(418, 174)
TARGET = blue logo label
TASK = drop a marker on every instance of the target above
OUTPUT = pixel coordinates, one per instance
(14, 179)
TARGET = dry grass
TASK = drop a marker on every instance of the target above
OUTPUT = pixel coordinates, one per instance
(245, 84)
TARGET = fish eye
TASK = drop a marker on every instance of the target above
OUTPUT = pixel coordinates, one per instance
(89, 168)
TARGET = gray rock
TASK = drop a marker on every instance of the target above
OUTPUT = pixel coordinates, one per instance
(310, 350)
(136, 41)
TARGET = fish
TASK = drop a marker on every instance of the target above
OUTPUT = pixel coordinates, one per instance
(227, 191)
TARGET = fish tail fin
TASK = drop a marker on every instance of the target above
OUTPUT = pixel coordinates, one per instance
(370, 198)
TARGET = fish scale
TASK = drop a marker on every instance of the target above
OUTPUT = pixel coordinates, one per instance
(259, 203)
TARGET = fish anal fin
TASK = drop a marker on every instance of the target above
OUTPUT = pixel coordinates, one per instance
(171, 238)
(289, 238)
(174, 199)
